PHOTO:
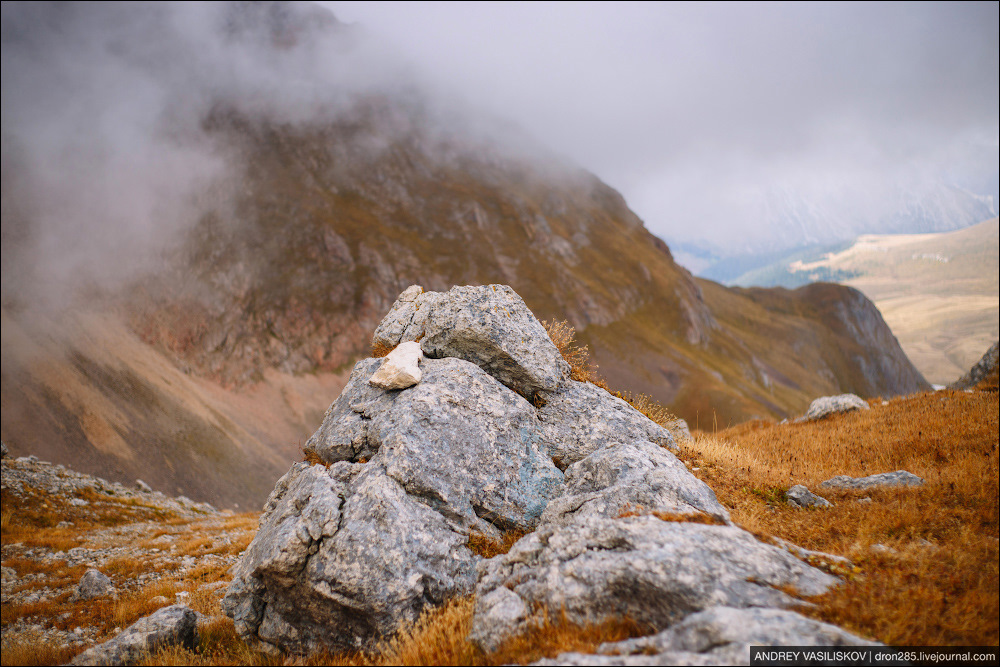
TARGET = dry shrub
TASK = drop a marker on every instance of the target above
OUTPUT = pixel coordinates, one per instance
(381, 349)
(690, 517)
(312, 458)
(218, 644)
(582, 369)
(437, 638)
(488, 547)
(944, 594)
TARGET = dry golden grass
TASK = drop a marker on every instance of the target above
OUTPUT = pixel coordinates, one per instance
(582, 369)
(30, 650)
(943, 594)
(488, 547)
(437, 638)
(380, 350)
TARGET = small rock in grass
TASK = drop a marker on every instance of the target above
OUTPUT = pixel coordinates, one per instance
(800, 496)
(93, 584)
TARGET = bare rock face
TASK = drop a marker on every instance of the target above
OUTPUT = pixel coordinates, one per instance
(652, 571)
(986, 365)
(828, 405)
(897, 478)
(460, 441)
(401, 368)
(343, 555)
(717, 636)
(170, 626)
(487, 325)
(569, 438)
(638, 476)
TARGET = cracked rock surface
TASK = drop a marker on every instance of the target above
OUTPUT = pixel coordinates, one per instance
(652, 571)
(487, 325)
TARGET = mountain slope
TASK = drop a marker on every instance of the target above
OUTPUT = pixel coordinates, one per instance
(204, 368)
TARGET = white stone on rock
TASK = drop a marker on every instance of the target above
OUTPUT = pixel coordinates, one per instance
(401, 368)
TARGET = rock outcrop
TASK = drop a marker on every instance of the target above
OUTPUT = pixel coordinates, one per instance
(170, 626)
(489, 326)
(376, 527)
(635, 477)
(884, 479)
(982, 369)
(609, 418)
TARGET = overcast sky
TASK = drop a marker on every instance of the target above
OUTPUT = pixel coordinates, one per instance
(692, 110)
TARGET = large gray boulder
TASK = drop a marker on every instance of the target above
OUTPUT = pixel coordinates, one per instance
(459, 441)
(652, 571)
(639, 477)
(488, 325)
(581, 418)
(829, 405)
(347, 553)
(883, 479)
(717, 636)
(342, 557)
(169, 626)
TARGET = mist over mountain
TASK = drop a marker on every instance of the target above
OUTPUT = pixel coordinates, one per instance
(207, 210)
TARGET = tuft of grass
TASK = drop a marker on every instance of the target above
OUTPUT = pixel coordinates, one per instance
(32, 649)
(437, 638)
(312, 458)
(552, 637)
(488, 547)
(380, 350)
(582, 369)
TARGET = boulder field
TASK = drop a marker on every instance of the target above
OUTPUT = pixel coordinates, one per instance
(490, 434)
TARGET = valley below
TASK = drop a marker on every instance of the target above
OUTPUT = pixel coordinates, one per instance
(938, 292)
